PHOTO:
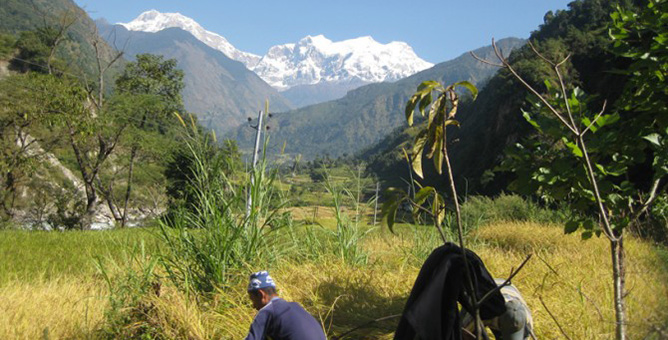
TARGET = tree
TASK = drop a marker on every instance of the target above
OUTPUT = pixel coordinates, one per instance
(149, 92)
(587, 158)
(432, 139)
(151, 74)
(37, 48)
(23, 111)
(7, 46)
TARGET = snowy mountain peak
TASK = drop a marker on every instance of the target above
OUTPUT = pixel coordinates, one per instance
(155, 21)
(316, 59)
(312, 60)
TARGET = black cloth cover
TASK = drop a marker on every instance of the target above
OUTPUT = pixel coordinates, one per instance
(431, 310)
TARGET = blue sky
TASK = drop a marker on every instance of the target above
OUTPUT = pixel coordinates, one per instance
(437, 30)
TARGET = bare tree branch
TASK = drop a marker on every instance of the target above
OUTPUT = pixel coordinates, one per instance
(561, 329)
(605, 102)
(505, 283)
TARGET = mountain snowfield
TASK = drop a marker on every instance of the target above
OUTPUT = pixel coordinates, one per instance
(312, 60)
(153, 21)
(317, 59)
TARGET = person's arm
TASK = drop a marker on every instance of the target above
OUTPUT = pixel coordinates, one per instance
(259, 326)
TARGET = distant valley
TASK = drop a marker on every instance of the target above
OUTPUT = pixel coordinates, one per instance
(367, 114)
(348, 94)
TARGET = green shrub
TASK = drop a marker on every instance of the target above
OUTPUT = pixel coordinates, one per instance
(479, 210)
(130, 280)
(7, 46)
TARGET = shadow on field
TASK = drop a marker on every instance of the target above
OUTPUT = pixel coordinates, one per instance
(357, 302)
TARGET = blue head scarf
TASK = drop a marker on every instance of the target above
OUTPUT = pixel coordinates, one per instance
(260, 280)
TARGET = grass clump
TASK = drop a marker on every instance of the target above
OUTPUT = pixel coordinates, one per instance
(348, 233)
(479, 210)
(216, 234)
(130, 282)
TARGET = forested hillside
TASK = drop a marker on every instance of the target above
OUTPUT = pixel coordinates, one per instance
(62, 24)
(366, 114)
(493, 122)
(87, 137)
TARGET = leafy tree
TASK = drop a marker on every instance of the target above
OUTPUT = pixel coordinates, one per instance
(23, 112)
(37, 48)
(151, 74)
(642, 38)
(149, 91)
(33, 51)
(7, 45)
(92, 137)
(599, 162)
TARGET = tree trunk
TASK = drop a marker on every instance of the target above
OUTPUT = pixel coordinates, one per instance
(617, 252)
(91, 205)
(128, 190)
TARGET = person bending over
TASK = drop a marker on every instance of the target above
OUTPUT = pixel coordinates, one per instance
(278, 319)
(515, 324)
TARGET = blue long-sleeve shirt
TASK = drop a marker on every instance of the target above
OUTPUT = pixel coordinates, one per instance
(282, 320)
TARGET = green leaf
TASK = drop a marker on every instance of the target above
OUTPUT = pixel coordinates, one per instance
(410, 108)
(428, 85)
(527, 117)
(438, 156)
(607, 120)
(433, 112)
(587, 234)
(469, 86)
(574, 148)
(451, 122)
(389, 210)
(601, 168)
(418, 148)
(571, 227)
(423, 194)
(424, 102)
(653, 138)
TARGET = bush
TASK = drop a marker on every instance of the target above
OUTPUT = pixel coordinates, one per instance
(7, 46)
(130, 285)
(479, 210)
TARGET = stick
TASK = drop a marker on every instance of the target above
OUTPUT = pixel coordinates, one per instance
(365, 325)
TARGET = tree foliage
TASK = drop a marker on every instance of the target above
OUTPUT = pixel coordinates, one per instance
(627, 144)
(151, 74)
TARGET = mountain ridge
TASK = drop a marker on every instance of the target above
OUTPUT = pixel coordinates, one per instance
(221, 91)
(366, 114)
(311, 62)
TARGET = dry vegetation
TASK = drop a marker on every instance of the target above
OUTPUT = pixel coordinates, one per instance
(575, 287)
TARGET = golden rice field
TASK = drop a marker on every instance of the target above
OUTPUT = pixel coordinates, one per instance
(567, 276)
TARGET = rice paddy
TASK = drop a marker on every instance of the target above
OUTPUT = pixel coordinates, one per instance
(49, 292)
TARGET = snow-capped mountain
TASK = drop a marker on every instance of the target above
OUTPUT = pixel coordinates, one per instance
(317, 59)
(314, 60)
(154, 21)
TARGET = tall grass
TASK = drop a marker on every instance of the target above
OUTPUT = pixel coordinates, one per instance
(130, 280)
(348, 233)
(43, 255)
(208, 242)
(72, 305)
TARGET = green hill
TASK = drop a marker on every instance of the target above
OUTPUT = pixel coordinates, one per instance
(76, 50)
(221, 91)
(366, 114)
(494, 121)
